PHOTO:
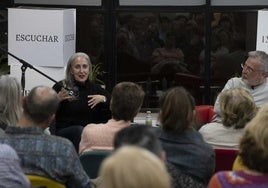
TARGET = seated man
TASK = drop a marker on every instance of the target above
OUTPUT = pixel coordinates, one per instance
(254, 79)
(45, 155)
(126, 101)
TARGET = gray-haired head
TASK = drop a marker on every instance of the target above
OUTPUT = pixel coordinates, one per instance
(68, 75)
(261, 56)
(10, 100)
(41, 103)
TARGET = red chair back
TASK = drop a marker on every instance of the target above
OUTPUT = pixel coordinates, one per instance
(204, 113)
(225, 159)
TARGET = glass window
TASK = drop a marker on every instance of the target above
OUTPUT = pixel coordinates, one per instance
(153, 48)
(90, 39)
(4, 68)
(161, 50)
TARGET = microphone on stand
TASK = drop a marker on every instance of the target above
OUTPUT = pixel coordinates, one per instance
(24, 66)
(74, 92)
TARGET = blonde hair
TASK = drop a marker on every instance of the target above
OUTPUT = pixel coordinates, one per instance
(254, 143)
(134, 167)
(237, 107)
(10, 100)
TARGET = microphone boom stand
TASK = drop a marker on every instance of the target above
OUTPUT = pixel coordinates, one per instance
(24, 66)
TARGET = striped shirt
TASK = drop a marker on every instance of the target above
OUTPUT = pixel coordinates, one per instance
(238, 179)
(46, 155)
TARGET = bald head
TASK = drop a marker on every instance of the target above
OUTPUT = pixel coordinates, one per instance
(40, 104)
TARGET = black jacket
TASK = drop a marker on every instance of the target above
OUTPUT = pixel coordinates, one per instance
(77, 112)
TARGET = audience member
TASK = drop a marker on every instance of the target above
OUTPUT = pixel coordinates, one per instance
(10, 101)
(144, 136)
(126, 44)
(253, 153)
(217, 51)
(178, 27)
(226, 23)
(126, 101)
(82, 100)
(225, 36)
(165, 25)
(237, 108)
(228, 65)
(194, 43)
(95, 36)
(11, 174)
(139, 169)
(168, 60)
(254, 79)
(45, 155)
(183, 144)
(148, 42)
(139, 135)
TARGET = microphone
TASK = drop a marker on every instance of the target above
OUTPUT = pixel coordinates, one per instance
(74, 92)
(24, 66)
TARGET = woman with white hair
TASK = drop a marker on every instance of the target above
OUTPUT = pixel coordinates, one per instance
(82, 100)
(10, 101)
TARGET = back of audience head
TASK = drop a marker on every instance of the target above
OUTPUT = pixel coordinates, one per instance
(41, 104)
(139, 135)
(237, 107)
(126, 100)
(177, 110)
(10, 100)
(139, 169)
(254, 143)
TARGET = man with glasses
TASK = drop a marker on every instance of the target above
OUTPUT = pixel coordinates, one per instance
(254, 79)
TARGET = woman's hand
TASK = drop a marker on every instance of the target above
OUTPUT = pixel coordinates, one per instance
(95, 99)
(64, 94)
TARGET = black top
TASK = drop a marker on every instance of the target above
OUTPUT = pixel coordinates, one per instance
(77, 112)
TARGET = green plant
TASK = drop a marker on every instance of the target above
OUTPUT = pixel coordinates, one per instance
(96, 73)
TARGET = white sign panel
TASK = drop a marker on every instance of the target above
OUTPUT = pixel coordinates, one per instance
(262, 31)
(41, 37)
